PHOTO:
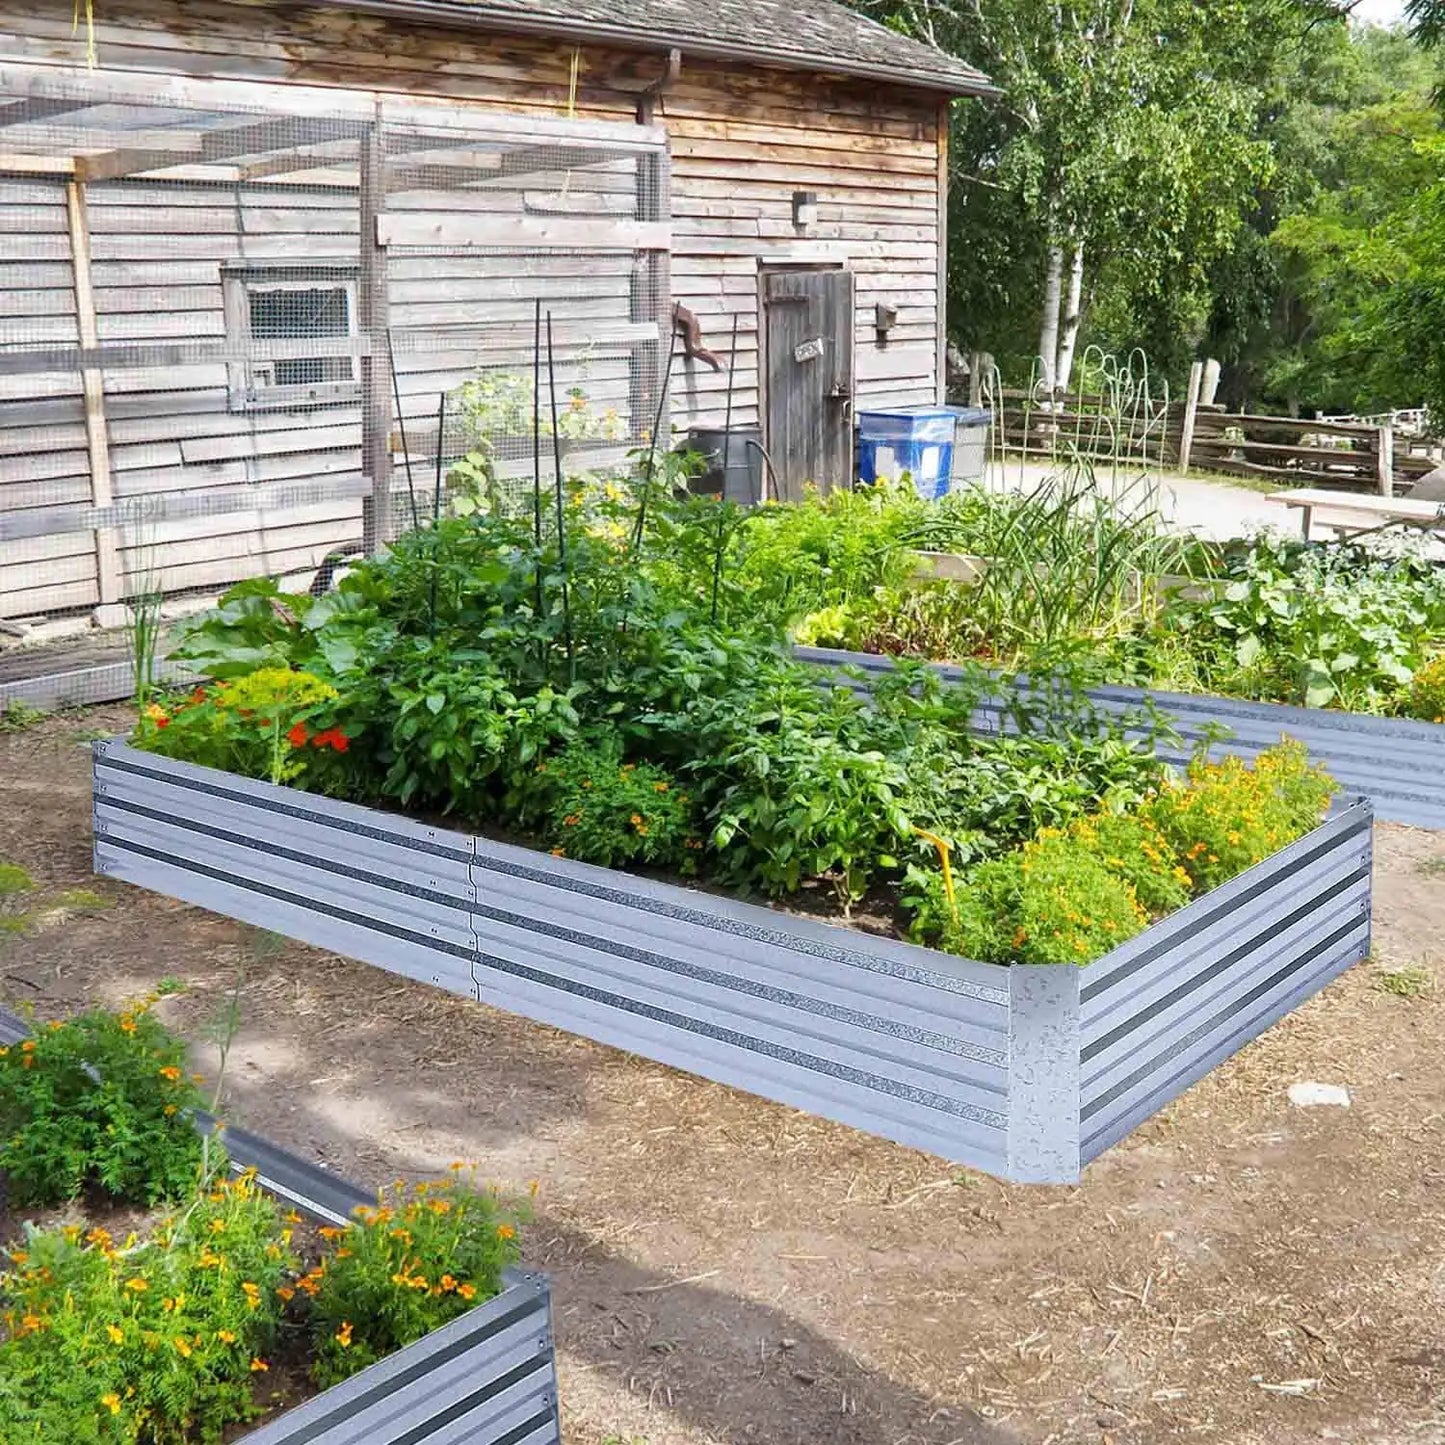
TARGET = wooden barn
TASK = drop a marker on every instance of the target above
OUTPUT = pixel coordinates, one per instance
(250, 251)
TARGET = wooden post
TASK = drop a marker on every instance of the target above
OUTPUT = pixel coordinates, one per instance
(373, 304)
(945, 112)
(1385, 460)
(1191, 415)
(1211, 382)
(111, 611)
(652, 299)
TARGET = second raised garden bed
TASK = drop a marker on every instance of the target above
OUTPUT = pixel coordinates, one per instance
(1027, 1072)
(1397, 763)
(488, 1377)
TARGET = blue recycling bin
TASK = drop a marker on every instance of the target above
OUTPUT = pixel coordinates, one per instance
(916, 440)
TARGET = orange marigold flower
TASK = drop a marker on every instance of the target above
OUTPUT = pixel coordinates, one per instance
(467, 1291)
(505, 1231)
(171, 1072)
(226, 1337)
(446, 1284)
(258, 1365)
(127, 1024)
(343, 1335)
(285, 1292)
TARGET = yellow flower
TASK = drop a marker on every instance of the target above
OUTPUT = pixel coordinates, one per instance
(330, 1231)
(505, 1231)
(226, 1337)
(285, 1292)
(467, 1291)
(116, 1336)
(111, 1402)
(170, 1072)
(137, 1285)
(343, 1335)
(127, 1024)
(446, 1284)
(258, 1365)
(183, 1347)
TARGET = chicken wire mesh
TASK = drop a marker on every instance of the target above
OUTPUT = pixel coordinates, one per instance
(245, 330)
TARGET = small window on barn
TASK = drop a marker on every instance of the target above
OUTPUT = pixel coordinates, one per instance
(296, 328)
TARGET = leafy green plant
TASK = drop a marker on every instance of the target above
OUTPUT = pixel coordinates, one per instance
(19, 717)
(604, 810)
(273, 723)
(1336, 626)
(1426, 698)
(1228, 816)
(1411, 980)
(1055, 900)
(155, 1340)
(424, 1255)
(100, 1098)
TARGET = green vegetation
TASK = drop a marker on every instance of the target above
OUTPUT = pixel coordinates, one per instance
(158, 1337)
(623, 693)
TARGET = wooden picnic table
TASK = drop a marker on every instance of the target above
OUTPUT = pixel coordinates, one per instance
(1361, 513)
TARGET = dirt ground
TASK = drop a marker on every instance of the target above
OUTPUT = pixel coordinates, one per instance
(729, 1271)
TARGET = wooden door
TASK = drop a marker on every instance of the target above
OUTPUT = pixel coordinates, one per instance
(808, 378)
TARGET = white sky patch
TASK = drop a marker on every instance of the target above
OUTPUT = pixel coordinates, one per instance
(1380, 12)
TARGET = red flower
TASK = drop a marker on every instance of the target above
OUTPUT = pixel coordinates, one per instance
(163, 722)
(297, 736)
(331, 738)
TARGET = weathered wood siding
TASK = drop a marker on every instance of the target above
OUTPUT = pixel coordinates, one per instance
(742, 142)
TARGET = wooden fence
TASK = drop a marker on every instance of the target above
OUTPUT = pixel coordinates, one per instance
(1351, 456)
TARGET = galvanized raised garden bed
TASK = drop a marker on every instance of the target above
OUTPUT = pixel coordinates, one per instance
(1397, 763)
(489, 1377)
(1027, 1073)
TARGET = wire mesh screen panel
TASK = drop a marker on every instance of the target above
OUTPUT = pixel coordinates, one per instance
(244, 329)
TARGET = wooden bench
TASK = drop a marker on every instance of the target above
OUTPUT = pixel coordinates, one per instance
(1359, 513)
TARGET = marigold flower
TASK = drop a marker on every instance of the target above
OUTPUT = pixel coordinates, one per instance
(28, 1047)
(127, 1024)
(171, 1072)
(111, 1401)
(258, 1365)
(298, 735)
(467, 1291)
(137, 1285)
(330, 1231)
(505, 1231)
(343, 1335)
(183, 1347)
(226, 1337)
(116, 1336)
(446, 1284)
(285, 1292)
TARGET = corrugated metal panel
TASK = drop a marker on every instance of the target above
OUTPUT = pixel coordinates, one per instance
(487, 1378)
(1397, 763)
(902, 1041)
(1023, 1072)
(1160, 1012)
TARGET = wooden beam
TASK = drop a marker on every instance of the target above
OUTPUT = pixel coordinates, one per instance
(285, 133)
(27, 112)
(302, 158)
(374, 308)
(129, 355)
(112, 165)
(27, 165)
(436, 228)
(110, 613)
